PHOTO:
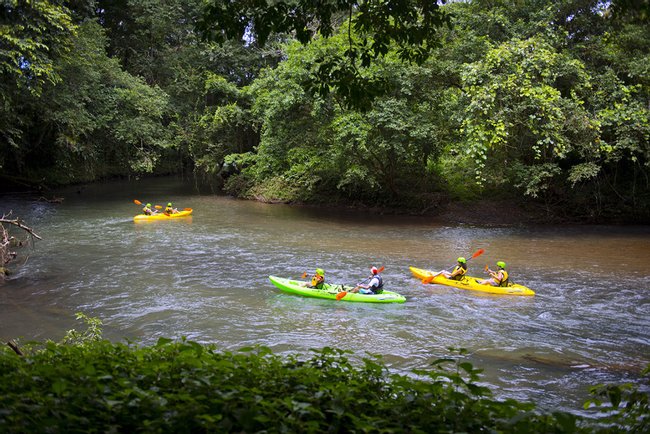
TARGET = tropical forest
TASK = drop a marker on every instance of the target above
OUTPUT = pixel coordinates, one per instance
(356, 103)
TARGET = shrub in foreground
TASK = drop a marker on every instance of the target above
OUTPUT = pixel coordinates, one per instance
(187, 387)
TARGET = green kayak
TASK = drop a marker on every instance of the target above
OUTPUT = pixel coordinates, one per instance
(331, 292)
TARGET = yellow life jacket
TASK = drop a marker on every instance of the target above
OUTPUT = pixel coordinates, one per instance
(504, 280)
(463, 270)
(317, 281)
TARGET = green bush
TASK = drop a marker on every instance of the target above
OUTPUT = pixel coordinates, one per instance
(87, 384)
(187, 387)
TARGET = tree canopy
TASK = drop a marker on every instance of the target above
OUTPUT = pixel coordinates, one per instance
(400, 103)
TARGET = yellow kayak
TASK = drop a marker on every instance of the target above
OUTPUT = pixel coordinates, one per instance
(469, 282)
(162, 216)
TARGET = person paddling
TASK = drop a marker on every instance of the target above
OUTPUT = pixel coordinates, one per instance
(498, 277)
(457, 273)
(374, 285)
(148, 210)
(169, 209)
(317, 280)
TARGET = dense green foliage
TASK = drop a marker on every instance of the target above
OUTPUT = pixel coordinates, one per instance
(98, 89)
(534, 101)
(92, 385)
(375, 102)
(408, 27)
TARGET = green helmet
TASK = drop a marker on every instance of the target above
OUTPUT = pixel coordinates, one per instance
(320, 272)
(169, 204)
(501, 264)
(462, 260)
(148, 205)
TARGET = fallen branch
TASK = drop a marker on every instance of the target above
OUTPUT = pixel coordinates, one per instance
(7, 241)
(14, 346)
(53, 200)
(17, 222)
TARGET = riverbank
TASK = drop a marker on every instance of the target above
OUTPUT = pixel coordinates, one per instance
(488, 212)
(483, 212)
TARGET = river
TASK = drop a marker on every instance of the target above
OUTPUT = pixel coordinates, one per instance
(206, 278)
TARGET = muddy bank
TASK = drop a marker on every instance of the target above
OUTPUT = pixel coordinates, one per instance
(484, 212)
(493, 213)
(480, 213)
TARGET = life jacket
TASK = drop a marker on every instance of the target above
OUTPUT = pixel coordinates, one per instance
(504, 281)
(377, 289)
(459, 276)
(317, 281)
(169, 210)
(147, 211)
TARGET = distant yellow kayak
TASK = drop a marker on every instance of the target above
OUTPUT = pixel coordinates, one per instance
(469, 282)
(162, 216)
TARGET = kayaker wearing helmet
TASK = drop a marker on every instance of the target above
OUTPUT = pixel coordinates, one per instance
(317, 280)
(457, 273)
(374, 285)
(498, 277)
(169, 210)
(147, 210)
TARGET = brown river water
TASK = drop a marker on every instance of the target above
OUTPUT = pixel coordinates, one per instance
(206, 278)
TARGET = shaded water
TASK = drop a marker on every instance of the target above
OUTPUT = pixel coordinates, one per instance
(206, 278)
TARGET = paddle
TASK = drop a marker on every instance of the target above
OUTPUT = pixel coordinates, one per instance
(476, 254)
(137, 202)
(342, 294)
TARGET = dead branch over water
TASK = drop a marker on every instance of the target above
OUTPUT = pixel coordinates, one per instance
(8, 242)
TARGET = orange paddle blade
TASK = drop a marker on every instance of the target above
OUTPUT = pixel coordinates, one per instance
(304, 275)
(340, 295)
(427, 279)
(380, 269)
(157, 206)
(187, 209)
(479, 252)
(137, 202)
